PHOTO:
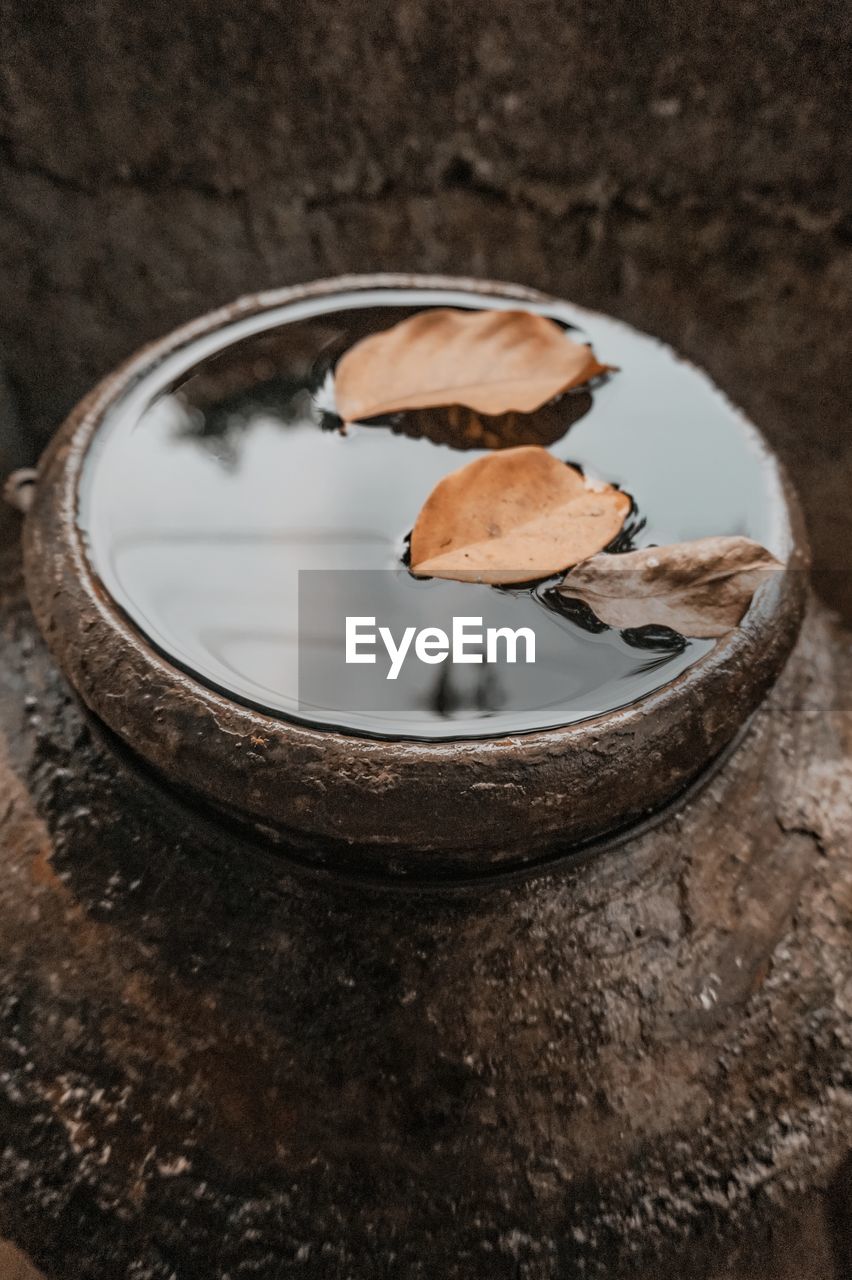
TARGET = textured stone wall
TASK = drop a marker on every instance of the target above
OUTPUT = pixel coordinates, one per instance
(684, 166)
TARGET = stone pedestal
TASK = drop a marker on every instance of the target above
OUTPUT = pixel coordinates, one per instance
(218, 1063)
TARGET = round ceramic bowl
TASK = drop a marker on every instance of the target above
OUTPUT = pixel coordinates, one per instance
(461, 801)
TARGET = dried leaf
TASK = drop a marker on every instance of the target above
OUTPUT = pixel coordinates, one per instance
(513, 516)
(701, 588)
(490, 361)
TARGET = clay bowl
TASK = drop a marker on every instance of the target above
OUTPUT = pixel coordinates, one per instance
(411, 807)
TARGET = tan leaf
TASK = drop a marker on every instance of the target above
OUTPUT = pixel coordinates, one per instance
(701, 588)
(513, 516)
(491, 361)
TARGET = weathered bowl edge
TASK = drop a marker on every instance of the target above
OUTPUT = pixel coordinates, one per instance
(460, 803)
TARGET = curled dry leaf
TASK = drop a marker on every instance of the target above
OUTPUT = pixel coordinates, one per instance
(513, 516)
(701, 588)
(492, 361)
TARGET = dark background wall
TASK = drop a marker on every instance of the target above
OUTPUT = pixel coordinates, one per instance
(687, 167)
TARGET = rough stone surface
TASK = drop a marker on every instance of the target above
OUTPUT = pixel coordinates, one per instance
(14, 1265)
(13, 446)
(215, 1065)
(685, 167)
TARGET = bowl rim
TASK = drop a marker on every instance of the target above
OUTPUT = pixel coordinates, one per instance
(456, 800)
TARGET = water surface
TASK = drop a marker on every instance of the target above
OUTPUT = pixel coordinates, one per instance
(216, 480)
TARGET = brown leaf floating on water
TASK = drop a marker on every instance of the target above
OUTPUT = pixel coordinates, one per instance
(701, 589)
(513, 516)
(490, 361)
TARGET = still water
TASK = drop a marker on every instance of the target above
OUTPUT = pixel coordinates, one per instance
(222, 474)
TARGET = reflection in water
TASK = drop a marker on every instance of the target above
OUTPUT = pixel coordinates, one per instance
(478, 691)
(222, 429)
(213, 492)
